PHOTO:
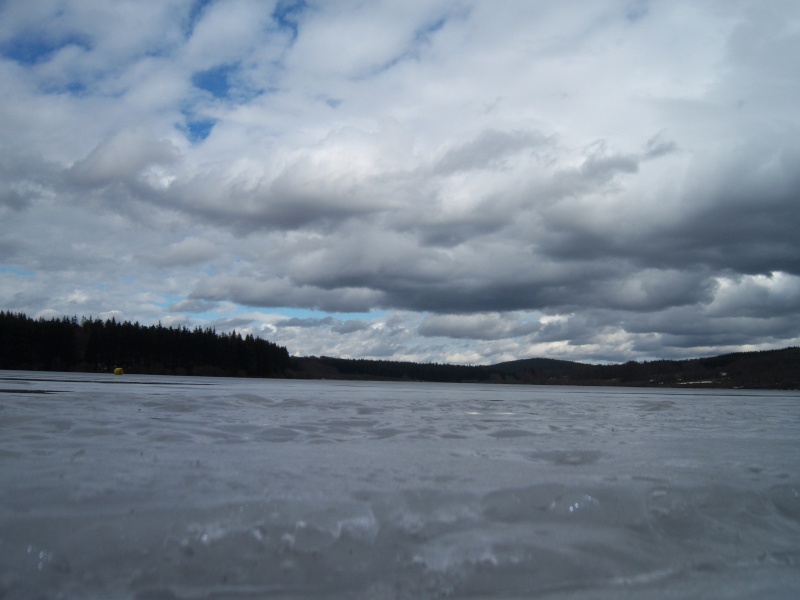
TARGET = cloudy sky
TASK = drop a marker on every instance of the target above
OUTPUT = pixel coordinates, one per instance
(440, 180)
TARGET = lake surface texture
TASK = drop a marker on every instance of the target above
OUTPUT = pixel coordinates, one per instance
(188, 488)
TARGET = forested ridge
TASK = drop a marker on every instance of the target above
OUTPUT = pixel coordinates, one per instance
(767, 369)
(351, 368)
(764, 369)
(95, 345)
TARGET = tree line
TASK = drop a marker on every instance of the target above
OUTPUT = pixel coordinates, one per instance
(95, 345)
(356, 368)
(778, 369)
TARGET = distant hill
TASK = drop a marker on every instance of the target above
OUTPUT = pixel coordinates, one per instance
(764, 369)
(778, 369)
(551, 365)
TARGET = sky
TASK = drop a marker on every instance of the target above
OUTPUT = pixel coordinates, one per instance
(449, 181)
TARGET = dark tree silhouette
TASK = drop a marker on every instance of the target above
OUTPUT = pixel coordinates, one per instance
(95, 345)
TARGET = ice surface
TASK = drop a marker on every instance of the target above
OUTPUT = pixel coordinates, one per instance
(162, 488)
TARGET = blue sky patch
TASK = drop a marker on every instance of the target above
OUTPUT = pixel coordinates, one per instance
(215, 80)
(199, 129)
(286, 14)
(18, 271)
(74, 88)
(32, 49)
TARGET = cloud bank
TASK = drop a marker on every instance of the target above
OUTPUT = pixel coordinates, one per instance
(439, 181)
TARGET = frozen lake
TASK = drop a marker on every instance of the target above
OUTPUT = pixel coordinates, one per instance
(189, 488)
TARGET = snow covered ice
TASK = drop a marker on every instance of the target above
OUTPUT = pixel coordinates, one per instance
(140, 487)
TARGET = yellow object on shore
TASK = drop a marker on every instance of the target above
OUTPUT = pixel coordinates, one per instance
(118, 371)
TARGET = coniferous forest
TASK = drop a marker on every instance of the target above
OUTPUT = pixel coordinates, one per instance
(94, 345)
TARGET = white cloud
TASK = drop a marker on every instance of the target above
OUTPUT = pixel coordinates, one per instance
(123, 157)
(484, 326)
(775, 294)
